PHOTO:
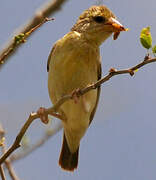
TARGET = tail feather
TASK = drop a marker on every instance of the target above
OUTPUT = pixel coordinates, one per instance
(68, 161)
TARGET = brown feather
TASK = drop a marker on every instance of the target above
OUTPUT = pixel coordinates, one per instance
(68, 161)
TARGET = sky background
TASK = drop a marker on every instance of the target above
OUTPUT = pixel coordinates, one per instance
(121, 141)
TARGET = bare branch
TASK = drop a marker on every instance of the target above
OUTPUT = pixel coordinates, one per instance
(45, 11)
(38, 144)
(2, 173)
(1, 168)
(9, 165)
(7, 161)
(33, 116)
(18, 139)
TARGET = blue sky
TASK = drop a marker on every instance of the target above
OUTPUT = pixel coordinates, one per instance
(120, 143)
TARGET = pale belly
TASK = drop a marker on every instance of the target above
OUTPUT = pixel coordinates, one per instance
(78, 117)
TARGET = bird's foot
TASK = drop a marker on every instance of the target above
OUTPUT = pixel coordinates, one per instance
(76, 95)
(44, 116)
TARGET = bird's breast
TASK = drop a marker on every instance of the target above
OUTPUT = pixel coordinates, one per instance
(73, 70)
(69, 70)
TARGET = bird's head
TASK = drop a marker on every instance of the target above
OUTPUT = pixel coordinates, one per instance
(97, 23)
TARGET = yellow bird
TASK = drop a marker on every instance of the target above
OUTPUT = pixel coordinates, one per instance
(74, 63)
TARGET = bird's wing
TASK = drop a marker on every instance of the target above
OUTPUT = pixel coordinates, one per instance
(49, 58)
(98, 94)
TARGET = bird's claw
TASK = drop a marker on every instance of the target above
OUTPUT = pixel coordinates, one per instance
(76, 95)
(43, 116)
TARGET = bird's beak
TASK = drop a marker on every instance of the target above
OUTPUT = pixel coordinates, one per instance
(116, 27)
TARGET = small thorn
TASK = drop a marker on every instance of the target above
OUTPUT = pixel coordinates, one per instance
(112, 70)
(131, 72)
(147, 57)
(49, 19)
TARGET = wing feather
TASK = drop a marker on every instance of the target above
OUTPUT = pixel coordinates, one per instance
(98, 94)
(49, 57)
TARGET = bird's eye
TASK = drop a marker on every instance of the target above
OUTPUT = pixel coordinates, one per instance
(99, 19)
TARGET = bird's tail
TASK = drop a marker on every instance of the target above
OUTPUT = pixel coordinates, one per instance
(68, 161)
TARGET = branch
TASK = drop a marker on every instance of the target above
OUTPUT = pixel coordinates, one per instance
(45, 11)
(44, 139)
(7, 161)
(19, 39)
(18, 139)
(1, 168)
(9, 166)
(33, 116)
(2, 173)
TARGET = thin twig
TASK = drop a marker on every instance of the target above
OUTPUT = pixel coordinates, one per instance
(45, 138)
(19, 39)
(9, 165)
(18, 139)
(2, 173)
(33, 116)
(7, 161)
(46, 10)
(1, 168)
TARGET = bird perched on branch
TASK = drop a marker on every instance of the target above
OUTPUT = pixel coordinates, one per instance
(74, 63)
